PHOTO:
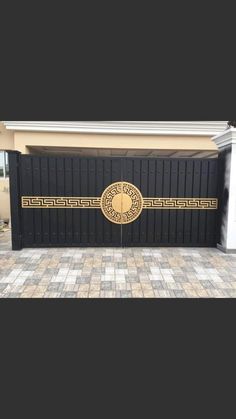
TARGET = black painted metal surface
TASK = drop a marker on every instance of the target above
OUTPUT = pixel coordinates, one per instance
(175, 178)
(88, 177)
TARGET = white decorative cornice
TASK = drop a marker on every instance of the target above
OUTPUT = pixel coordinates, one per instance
(201, 128)
(226, 138)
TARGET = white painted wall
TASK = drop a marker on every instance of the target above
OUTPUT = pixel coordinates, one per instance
(231, 233)
(228, 228)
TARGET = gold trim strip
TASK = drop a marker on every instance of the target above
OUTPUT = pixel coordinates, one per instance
(181, 203)
(60, 202)
(95, 203)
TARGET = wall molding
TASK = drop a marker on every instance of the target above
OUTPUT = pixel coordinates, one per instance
(226, 138)
(188, 128)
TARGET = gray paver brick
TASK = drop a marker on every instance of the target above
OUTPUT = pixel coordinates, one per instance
(116, 273)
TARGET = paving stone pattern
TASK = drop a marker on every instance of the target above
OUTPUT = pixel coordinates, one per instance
(116, 273)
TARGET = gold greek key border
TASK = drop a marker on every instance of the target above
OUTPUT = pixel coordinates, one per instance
(95, 203)
(60, 202)
(181, 203)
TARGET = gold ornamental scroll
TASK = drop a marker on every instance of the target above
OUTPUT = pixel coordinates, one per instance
(120, 203)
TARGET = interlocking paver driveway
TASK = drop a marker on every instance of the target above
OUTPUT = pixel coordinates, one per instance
(115, 273)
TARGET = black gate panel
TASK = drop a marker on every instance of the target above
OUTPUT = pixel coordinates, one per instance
(67, 177)
(70, 201)
(173, 178)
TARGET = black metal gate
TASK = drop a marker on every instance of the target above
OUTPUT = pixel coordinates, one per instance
(70, 201)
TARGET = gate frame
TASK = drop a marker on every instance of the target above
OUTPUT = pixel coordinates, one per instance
(15, 198)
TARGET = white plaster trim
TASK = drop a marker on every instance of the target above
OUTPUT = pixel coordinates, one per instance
(231, 234)
(228, 228)
(188, 128)
(226, 138)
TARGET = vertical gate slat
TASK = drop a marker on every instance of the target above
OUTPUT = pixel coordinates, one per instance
(84, 192)
(53, 213)
(159, 194)
(188, 194)
(144, 191)
(27, 189)
(211, 217)
(92, 192)
(108, 181)
(100, 219)
(76, 191)
(61, 193)
(136, 179)
(173, 193)
(151, 192)
(36, 178)
(166, 194)
(196, 194)
(181, 193)
(45, 192)
(68, 192)
(203, 194)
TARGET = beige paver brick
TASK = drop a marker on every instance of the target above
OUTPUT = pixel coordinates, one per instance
(116, 273)
(94, 294)
(38, 295)
(187, 286)
(108, 294)
(148, 294)
(136, 287)
(146, 286)
(137, 294)
(213, 293)
(164, 294)
(81, 294)
(202, 294)
(84, 287)
(95, 287)
(191, 293)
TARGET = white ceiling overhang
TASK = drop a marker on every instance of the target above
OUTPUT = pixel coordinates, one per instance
(188, 128)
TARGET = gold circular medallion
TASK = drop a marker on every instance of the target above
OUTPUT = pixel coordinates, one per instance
(122, 203)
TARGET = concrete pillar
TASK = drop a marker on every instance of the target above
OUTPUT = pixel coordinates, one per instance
(226, 143)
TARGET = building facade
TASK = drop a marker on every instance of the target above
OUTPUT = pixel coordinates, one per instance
(147, 183)
(104, 139)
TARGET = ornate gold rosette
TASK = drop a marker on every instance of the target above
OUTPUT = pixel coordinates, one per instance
(122, 203)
